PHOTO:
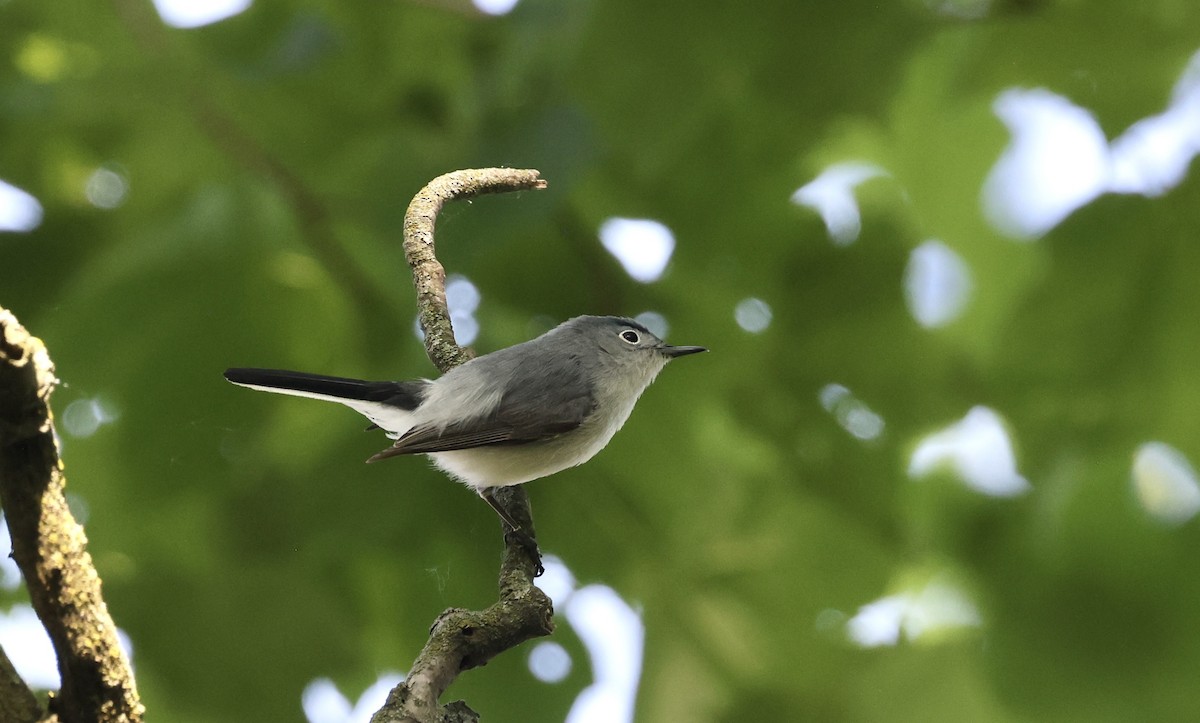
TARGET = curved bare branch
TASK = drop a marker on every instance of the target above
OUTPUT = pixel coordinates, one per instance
(429, 277)
(461, 639)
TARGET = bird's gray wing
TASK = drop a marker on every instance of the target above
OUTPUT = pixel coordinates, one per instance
(539, 404)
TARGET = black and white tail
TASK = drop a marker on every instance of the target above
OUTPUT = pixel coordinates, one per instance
(388, 405)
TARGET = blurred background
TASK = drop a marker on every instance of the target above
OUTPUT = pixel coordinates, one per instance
(939, 465)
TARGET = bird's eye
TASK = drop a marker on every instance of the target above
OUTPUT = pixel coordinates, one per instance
(630, 336)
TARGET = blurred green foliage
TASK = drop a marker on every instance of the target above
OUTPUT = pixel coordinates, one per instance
(269, 159)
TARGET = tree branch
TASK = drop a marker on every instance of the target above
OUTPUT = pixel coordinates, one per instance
(429, 278)
(49, 546)
(461, 639)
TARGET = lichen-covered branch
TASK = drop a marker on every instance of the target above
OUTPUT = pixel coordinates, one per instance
(462, 639)
(429, 278)
(49, 546)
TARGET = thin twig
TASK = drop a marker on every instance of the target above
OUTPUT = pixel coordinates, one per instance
(49, 546)
(461, 639)
(429, 278)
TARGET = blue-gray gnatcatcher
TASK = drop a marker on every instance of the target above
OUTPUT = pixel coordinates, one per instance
(510, 416)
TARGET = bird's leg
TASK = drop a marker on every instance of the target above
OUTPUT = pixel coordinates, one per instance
(514, 529)
(489, 497)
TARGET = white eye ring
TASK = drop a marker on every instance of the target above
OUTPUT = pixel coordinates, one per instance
(630, 336)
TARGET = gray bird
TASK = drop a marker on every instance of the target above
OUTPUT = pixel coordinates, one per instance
(507, 417)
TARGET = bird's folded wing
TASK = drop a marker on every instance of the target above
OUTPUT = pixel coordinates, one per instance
(535, 408)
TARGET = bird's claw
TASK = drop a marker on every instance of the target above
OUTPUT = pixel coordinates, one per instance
(526, 541)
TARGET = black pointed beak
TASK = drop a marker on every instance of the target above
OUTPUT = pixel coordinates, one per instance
(674, 351)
